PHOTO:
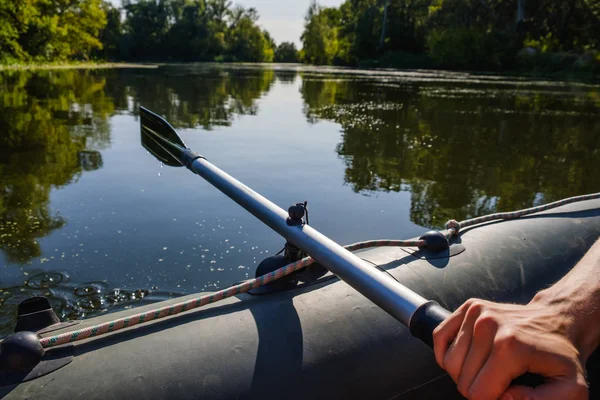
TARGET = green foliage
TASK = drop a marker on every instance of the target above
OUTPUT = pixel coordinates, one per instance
(111, 33)
(246, 41)
(460, 48)
(463, 34)
(539, 63)
(152, 30)
(286, 52)
(193, 30)
(398, 59)
(320, 37)
(15, 17)
(46, 30)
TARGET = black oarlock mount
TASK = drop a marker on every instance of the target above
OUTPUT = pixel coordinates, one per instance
(36, 315)
(20, 351)
(290, 254)
(434, 241)
(22, 356)
(296, 214)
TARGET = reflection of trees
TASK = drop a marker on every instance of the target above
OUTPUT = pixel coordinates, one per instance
(461, 151)
(284, 76)
(197, 96)
(53, 123)
(47, 119)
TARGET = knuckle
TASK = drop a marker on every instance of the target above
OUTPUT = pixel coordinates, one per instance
(471, 302)
(486, 322)
(476, 308)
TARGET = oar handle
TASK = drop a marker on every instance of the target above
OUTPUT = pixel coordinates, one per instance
(425, 319)
(430, 314)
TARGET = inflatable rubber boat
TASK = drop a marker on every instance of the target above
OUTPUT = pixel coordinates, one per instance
(308, 335)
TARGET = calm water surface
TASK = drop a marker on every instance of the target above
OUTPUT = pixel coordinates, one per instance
(89, 219)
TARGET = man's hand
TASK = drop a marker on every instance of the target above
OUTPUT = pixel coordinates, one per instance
(484, 346)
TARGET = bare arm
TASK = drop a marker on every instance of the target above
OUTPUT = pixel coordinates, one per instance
(485, 345)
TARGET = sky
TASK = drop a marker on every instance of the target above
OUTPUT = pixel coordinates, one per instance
(284, 19)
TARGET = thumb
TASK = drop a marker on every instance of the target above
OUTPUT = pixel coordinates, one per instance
(519, 393)
(553, 390)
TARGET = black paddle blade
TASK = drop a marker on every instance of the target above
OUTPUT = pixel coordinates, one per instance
(161, 139)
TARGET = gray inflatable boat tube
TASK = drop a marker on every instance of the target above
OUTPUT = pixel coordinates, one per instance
(322, 340)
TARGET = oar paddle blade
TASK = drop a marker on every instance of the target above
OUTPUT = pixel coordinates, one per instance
(161, 139)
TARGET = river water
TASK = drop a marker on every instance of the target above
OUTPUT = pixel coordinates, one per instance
(92, 221)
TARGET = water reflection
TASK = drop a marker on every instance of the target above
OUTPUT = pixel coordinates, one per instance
(51, 124)
(54, 126)
(459, 147)
(54, 123)
(192, 96)
(462, 150)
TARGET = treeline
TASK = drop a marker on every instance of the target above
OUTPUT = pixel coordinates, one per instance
(551, 35)
(142, 30)
(474, 34)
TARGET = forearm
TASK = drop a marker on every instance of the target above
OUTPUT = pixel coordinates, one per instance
(577, 297)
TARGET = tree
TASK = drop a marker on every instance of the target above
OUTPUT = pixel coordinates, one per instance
(111, 35)
(147, 23)
(15, 17)
(464, 34)
(50, 29)
(286, 52)
(320, 36)
(246, 41)
(190, 37)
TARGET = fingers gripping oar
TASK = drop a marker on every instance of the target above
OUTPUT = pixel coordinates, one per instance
(422, 316)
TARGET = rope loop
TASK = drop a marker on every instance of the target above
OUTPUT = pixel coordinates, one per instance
(453, 225)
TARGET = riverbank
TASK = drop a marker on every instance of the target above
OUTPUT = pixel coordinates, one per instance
(551, 66)
(528, 63)
(75, 65)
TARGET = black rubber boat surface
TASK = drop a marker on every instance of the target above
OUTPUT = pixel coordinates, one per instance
(323, 340)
